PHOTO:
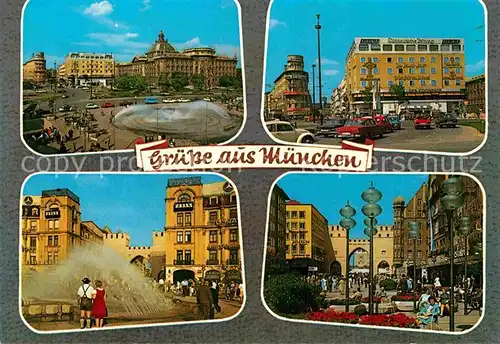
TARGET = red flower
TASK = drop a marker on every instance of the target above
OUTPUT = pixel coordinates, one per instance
(392, 320)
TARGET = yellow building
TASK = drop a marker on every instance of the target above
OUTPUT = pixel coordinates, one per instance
(51, 227)
(86, 68)
(201, 231)
(163, 59)
(308, 247)
(35, 70)
(383, 253)
(290, 95)
(431, 70)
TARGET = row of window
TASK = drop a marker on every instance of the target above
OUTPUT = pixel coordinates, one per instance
(302, 236)
(52, 225)
(458, 82)
(186, 237)
(408, 47)
(302, 249)
(411, 59)
(423, 70)
(185, 256)
(295, 225)
(293, 214)
(185, 219)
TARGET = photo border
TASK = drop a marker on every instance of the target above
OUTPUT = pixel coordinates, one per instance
(393, 150)
(374, 327)
(21, 125)
(240, 233)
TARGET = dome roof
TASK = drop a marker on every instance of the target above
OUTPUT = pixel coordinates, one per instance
(399, 201)
(161, 45)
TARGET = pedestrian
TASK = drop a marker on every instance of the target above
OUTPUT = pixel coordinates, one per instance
(205, 300)
(99, 309)
(85, 295)
(185, 287)
(215, 296)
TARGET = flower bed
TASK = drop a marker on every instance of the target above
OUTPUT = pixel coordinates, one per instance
(376, 299)
(408, 297)
(392, 320)
(341, 302)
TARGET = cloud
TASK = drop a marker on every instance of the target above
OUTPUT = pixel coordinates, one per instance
(275, 23)
(146, 5)
(193, 42)
(326, 61)
(331, 72)
(227, 50)
(125, 40)
(97, 9)
(476, 67)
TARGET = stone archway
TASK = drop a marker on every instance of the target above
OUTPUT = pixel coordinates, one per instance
(359, 258)
(335, 268)
(180, 275)
(383, 267)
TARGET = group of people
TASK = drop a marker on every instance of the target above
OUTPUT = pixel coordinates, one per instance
(52, 134)
(92, 302)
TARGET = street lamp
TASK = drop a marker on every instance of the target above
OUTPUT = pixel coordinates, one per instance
(452, 198)
(347, 222)
(414, 233)
(314, 95)
(465, 228)
(318, 27)
(371, 209)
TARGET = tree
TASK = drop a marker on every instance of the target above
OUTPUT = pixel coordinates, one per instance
(131, 83)
(28, 85)
(368, 97)
(51, 102)
(399, 92)
(164, 82)
(179, 81)
(230, 81)
(198, 81)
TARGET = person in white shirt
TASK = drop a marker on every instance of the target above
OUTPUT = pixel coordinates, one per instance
(185, 287)
(85, 295)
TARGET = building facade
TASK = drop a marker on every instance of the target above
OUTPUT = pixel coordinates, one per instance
(431, 71)
(476, 96)
(163, 59)
(359, 248)
(35, 69)
(201, 231)
(307, 243)
(89, 68)
(290, 95)
(276, 228)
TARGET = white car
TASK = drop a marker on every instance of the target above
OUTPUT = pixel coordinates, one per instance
(184, 100)
(285, 131)
(91, 106)
(207, 99)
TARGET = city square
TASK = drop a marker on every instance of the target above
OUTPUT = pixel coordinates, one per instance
(181, 263)
(399, 262)
(410, 88)
(116, 87)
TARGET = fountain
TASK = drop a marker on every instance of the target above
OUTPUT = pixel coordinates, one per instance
(128, 292)
(198, 121)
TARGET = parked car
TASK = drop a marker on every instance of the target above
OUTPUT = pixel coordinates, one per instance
(360, 129)
(107, 105)
(446, 120)
(422, 122)
(382, 122)
(328, 128)
(66, 108)
(126, 103)
(395, 121)
(91, 106)
(207, 99)
(150, 100)
(287, 132)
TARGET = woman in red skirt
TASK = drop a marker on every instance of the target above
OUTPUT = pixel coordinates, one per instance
(99, 311)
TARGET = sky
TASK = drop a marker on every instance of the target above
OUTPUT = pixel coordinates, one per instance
(127, 27)
(291, 31)
(329, 193)
(133, 203)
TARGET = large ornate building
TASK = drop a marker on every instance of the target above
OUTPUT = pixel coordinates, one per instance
(290, 95)
(85, 68)
(35, 70)
(163, 58)
(431, 70)
(476, 95)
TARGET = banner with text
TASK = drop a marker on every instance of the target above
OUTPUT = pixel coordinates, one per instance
(158, 156)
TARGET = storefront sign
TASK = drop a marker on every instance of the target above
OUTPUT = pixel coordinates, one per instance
(302, 242)
(453, 77)
(452, 64)
(184, 206)
(409, 41)
(53, 214)
(412, 65)
(367, 77)
(450, 41)
(28, 200)
(232, 221)
(212, 275)
(188, 181)
(412, 77)
(312, 268)
(234, 275)
(31, 211)
(369, 41)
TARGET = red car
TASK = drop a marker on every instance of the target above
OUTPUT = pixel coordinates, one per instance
(422, 122)
(107, 105)
(359, 129)
(382, 122)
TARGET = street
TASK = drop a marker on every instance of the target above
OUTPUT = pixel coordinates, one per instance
(460, 139)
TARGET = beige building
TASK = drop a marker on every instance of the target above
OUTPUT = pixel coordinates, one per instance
(35, 69)
(85, 68)
(163, 59)
(308, 247)
(383, 243)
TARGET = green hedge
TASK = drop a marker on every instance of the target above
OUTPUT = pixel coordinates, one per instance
(478, 124)
(388, 284)
(290, 294)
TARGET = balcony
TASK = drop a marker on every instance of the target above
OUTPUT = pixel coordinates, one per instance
(212, 262)
(233, 262)
(183, 262)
